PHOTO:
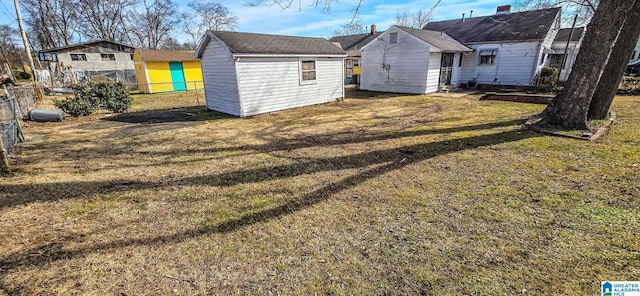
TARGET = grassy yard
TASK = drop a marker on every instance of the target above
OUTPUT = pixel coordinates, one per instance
(379, 194)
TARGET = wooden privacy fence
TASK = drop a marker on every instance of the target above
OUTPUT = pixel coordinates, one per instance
(15, 103)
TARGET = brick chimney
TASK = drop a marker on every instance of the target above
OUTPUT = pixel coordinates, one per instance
(373, 29)
(504, 9)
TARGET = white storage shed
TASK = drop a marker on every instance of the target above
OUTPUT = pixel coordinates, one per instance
(247, 73)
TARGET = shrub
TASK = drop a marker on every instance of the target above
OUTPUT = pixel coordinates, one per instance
(547, 79)
(629, 84)
(77, 106)
(90, 97)
(113, 96)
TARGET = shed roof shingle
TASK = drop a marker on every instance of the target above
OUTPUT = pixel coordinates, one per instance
(86, 44)
(166, 55)
(519, 26)
(253, 43)
(563, 34)
(438, 39)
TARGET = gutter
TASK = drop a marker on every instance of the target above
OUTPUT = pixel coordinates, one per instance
(271, 55)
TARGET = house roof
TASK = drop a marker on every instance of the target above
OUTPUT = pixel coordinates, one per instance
(357, 41)
(438, 39)
(166, 55)
(253, 43)
(353, 43)
(563, 34)
(519, 26)
(86, 44)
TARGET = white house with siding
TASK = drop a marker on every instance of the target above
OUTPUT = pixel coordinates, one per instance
(409, 60)
(509, 49)
(567, 40)
(247, 74)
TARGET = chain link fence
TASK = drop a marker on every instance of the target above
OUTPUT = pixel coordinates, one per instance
(15, 103)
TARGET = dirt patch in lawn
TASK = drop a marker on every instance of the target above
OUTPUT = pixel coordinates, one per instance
(373, 195)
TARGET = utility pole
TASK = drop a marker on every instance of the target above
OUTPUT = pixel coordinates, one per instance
(27, 48)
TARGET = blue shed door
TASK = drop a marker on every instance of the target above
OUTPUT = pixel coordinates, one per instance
(177, 76)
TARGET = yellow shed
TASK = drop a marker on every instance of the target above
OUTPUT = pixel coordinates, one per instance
(167, 70)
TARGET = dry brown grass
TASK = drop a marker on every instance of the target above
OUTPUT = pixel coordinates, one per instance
(373, 195)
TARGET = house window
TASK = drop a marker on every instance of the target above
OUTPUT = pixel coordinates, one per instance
(356, 62)
(460, 60)
(488, 56)
(108, 56)
(308, 70)
(349, 63)
(49, 57)
(78, 57)
(393, 38)
(555, 61)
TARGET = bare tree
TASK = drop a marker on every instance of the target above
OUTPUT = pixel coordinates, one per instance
(350, 29)
(155, 24)
(54, 23)
(103, 19)
(325, 5)
(403, 19)
(583, 8)
(9, 50)
(416, 20)
(570, 107)
(206, 16)
(213, 16)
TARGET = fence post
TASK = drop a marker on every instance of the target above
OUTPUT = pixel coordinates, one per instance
(17, 114)
(195, 86)
(4, 160)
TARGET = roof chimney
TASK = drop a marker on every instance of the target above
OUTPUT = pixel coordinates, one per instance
(504, 9)
(463, 16)
(470, 13)
(373, 29)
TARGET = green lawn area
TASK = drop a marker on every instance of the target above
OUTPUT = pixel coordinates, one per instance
(379, 194)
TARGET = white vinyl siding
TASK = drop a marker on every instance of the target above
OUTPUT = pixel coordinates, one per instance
(219, 74)
(514, 64)
(273, 84)
(408, 65)
(433, 73)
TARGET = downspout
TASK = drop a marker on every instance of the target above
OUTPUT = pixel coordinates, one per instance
(343, 75)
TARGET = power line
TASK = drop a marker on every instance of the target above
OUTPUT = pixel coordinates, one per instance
(7, 12)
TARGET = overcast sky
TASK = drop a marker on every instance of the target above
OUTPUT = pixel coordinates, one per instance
(310, 21)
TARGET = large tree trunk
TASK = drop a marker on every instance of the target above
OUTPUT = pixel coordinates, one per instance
(613, 71)
(569, 109)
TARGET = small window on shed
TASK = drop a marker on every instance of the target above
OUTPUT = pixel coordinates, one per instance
(108, 56)
(393, 38)
(308, 70)
(78, 57)
(488, 56)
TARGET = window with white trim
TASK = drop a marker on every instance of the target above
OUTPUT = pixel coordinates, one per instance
(307, 70)
(488, 56)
